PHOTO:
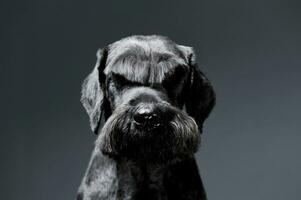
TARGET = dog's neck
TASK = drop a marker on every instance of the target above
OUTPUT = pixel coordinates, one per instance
(109, 179)
(140, 180)
(121, 180)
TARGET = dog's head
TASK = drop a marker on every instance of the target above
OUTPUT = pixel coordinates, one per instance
(139, 87)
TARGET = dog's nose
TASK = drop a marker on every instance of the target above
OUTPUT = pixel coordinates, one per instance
(146, 117)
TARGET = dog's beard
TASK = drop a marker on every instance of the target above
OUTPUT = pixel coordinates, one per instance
(176, 139)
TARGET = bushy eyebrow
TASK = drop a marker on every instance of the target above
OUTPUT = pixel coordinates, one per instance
(145, 70)
(173, 76)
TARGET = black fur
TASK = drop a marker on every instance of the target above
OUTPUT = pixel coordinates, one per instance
(137, 155)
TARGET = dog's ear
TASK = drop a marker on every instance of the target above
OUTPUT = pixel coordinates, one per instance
(93, 98)
(200, 96)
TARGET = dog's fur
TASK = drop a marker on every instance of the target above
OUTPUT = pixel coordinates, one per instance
(133, 161)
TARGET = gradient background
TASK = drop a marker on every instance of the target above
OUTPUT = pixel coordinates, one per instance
(250, 50)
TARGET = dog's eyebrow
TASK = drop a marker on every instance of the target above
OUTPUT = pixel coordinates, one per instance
(139, 54)
(146, 68)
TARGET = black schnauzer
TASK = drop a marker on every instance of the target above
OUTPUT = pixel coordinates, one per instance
(152, 100)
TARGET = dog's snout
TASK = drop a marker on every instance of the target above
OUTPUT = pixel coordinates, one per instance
(146, 117)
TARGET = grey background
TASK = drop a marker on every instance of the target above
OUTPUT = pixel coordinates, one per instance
(250, 50)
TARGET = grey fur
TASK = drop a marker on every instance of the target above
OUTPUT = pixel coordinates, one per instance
(92, 94)
(131, 161)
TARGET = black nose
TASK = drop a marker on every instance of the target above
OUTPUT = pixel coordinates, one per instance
(146, 117)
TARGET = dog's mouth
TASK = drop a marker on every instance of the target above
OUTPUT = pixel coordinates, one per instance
(138, 129)
(172, 135)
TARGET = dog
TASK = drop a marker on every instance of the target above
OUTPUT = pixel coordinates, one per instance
(147, 101)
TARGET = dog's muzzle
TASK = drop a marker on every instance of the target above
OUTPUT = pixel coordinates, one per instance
(149, 131)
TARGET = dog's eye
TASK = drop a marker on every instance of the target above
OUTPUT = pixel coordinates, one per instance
(172, 80)
(120, 82)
